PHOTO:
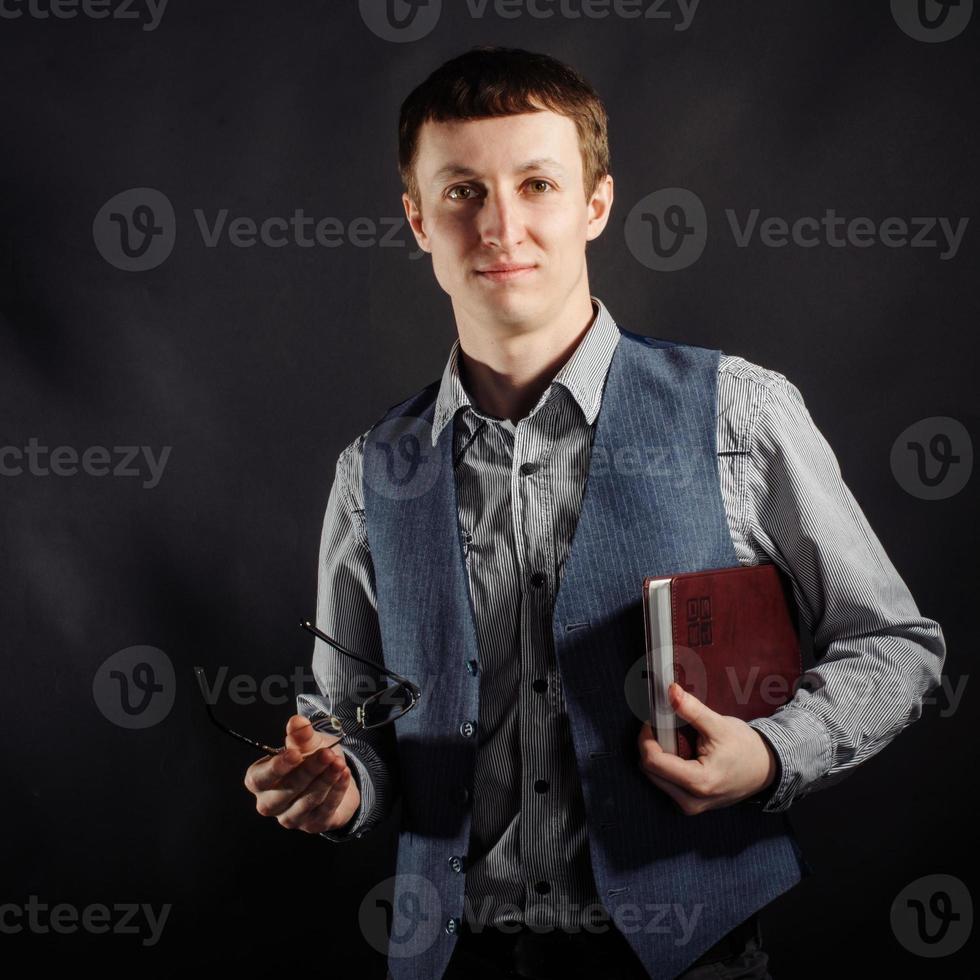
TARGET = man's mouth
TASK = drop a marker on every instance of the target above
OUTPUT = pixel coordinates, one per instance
(504, 272)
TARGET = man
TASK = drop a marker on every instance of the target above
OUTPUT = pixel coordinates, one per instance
(543, 830)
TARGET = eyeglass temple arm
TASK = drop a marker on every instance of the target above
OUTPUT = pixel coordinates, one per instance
(271, 749)
(309, 627)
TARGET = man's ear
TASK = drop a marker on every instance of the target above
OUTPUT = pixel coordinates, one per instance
(414, 215)
(600, 206)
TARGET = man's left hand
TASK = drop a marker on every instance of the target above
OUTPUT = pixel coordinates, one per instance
(733, 760)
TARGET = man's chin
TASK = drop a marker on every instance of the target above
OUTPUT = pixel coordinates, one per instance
(509, 303)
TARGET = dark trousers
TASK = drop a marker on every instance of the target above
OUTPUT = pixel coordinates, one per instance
(495, 954)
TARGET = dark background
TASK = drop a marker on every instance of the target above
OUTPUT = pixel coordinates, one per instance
(257, 365)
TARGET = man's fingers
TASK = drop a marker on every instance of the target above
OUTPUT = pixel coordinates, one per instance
(318, 802)
(670, 766)
(301, 729)
(686, 773)
(301, 735)
(681, 779)
(274, 802)
(645, 734)
(305, 782)
(269, 771)
(288, 773)
(687, 803)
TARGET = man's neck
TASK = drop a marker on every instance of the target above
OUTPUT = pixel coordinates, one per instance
(505, 375)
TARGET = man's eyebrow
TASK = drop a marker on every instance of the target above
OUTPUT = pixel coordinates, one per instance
(461, 170)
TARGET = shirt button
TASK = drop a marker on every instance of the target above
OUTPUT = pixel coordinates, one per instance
(528, 468)
(538, 579)
(452, 925)
(467, 728)
(472, 666)
(540, 685)
(456, 863)
(542, 887)
(540, 785)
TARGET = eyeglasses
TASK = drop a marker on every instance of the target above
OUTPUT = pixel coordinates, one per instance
(381, 708)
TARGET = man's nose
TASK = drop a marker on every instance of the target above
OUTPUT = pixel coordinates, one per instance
(501, 222)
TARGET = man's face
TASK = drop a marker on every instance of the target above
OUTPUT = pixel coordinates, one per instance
(502, 192)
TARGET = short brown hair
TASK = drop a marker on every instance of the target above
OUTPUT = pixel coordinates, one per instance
(489, 80)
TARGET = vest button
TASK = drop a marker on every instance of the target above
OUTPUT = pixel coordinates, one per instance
(541, 785)
(542, 887)
(462, 795)
(456, 863)
(540, 685)
(467, 728)
(452, 925)
(538, 579)
(473, 666)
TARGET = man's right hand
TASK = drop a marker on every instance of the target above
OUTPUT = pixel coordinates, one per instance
(308, 786)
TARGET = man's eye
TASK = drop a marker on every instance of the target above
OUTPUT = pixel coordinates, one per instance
(463, 192)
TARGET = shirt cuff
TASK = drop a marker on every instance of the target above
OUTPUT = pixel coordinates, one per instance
(316, 707)
(352, 829)
(804, 750)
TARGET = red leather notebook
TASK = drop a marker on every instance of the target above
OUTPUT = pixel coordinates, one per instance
(729, 636)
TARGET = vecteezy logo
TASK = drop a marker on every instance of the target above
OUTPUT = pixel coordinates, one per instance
(135, 230)
(933, 916)
(135, 687)
(689, 672)
(413, 916)
(636, 688)
(933, 458)
(400, 462)
(932, 20)
(940, 449)
(400, 20)
(667, 230)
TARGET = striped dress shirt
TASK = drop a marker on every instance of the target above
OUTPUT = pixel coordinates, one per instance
(519, 491)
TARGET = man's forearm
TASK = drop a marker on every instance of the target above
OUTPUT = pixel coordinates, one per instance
(861, 694)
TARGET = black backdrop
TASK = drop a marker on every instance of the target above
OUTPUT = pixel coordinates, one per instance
(243, 370)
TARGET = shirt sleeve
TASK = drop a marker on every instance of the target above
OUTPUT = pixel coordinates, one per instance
(876, 657)
(346, 609)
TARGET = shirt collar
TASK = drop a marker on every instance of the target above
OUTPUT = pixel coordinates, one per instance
(582, 374)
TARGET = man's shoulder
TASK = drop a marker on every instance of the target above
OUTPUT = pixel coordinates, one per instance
(353, 452)
(351, 456)
(737, 370)
(745, 388)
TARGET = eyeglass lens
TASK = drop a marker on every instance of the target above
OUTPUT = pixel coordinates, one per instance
(386, 705)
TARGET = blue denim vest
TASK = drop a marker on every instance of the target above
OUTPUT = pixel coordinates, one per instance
(652, 505)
